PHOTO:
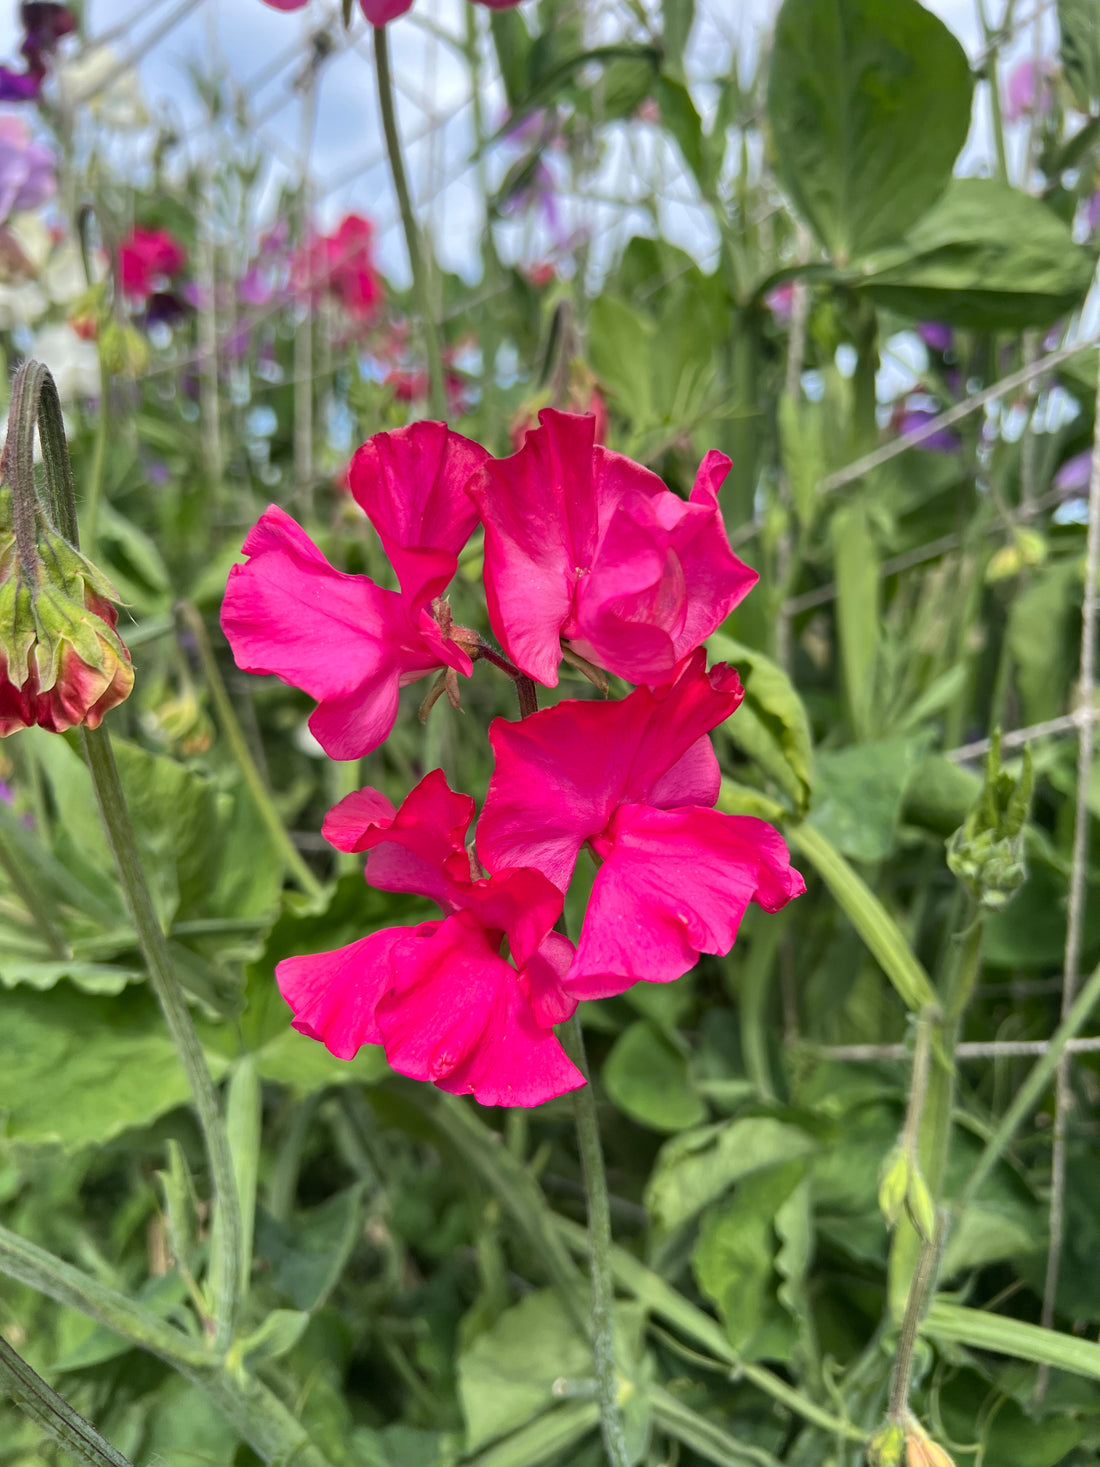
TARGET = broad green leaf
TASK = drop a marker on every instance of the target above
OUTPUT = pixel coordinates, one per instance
(734, 1263)
(307, 1257)
(700, 1166)
(104, 978)
(868, 106)
(506, 1377)
(647, 1078)
(680, 119)
(858, 795)
(770, 726)
(542, 1440)
(1079, 26)
(78, 1069)
(988, 256)
(621, 346)
(677, 18)
(939, 794)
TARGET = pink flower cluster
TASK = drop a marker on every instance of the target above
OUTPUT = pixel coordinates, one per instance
(587, 555)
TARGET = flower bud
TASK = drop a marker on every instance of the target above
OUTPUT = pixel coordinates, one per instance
(886, 1447)
(986, 853)
(894, 1185)
(62, 662)
(921, 1450)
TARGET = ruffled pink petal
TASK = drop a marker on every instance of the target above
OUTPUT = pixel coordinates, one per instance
(522, 904)
(544, 974)
(350, 825)
(663, 580)
(674, 884)
(461, 1019)
(560, 773)
(420, 848)
(544, 510)
(334, 995)
(343, 640)
(411, 484)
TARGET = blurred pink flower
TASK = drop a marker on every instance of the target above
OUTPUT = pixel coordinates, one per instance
(1027, 89)
(27, 176)
(146, 257)
(381, 12)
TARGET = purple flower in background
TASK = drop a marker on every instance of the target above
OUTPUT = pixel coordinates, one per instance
(936, 335)
(909, 420)
(27, 176)
(1027, 90)
(44, 24)
(1074, 474)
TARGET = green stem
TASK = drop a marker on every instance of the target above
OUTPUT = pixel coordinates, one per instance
(52, 1414)
(65, 1284)
(436, 396)
(922, 1281)
(227, 1241)
(97, 474)
(1031, 1091)
(599, 1252)
(231, 728)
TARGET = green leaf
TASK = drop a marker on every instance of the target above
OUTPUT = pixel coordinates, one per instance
(677, 19)
(855, 559)
(988, 256)
(868, 105)
(647, 1078)
(243, 1118)
(77, 1069)
(697, 1168)
(104, 978)
(543, 1439)
(307, 1257)
(621, 347)
(1039, 625)
(734, 1263)
(771, 726)
(279, 1333)
(879, 931)
(981, 1330)
(1079, 27)
(858, 795)
(507, 1376)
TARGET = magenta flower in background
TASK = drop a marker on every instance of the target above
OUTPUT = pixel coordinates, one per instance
(439, 997)
(27, 176)
(342, 639)
(381, 12)
(1027, 90)
(636, 781)
(147, 258)
(342, 265)
(780, 301)
(586, 547)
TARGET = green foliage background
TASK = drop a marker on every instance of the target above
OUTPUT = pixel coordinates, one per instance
(417, 1283)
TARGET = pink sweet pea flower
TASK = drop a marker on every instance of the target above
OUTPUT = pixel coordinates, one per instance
(586, 547)
(340, 638)
(147, 256)
(637, 781)
(439, 997)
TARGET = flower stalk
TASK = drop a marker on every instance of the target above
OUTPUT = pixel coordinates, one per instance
(599, 1251)
(437, 401)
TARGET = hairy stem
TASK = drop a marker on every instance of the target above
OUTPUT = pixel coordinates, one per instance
(436, 397)
(227, 1249)
(52, 1414)
(599, 1252)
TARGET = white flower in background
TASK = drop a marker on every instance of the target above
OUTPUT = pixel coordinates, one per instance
(93, 79)
(21, 304)
(62, 277)
(73, 361)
